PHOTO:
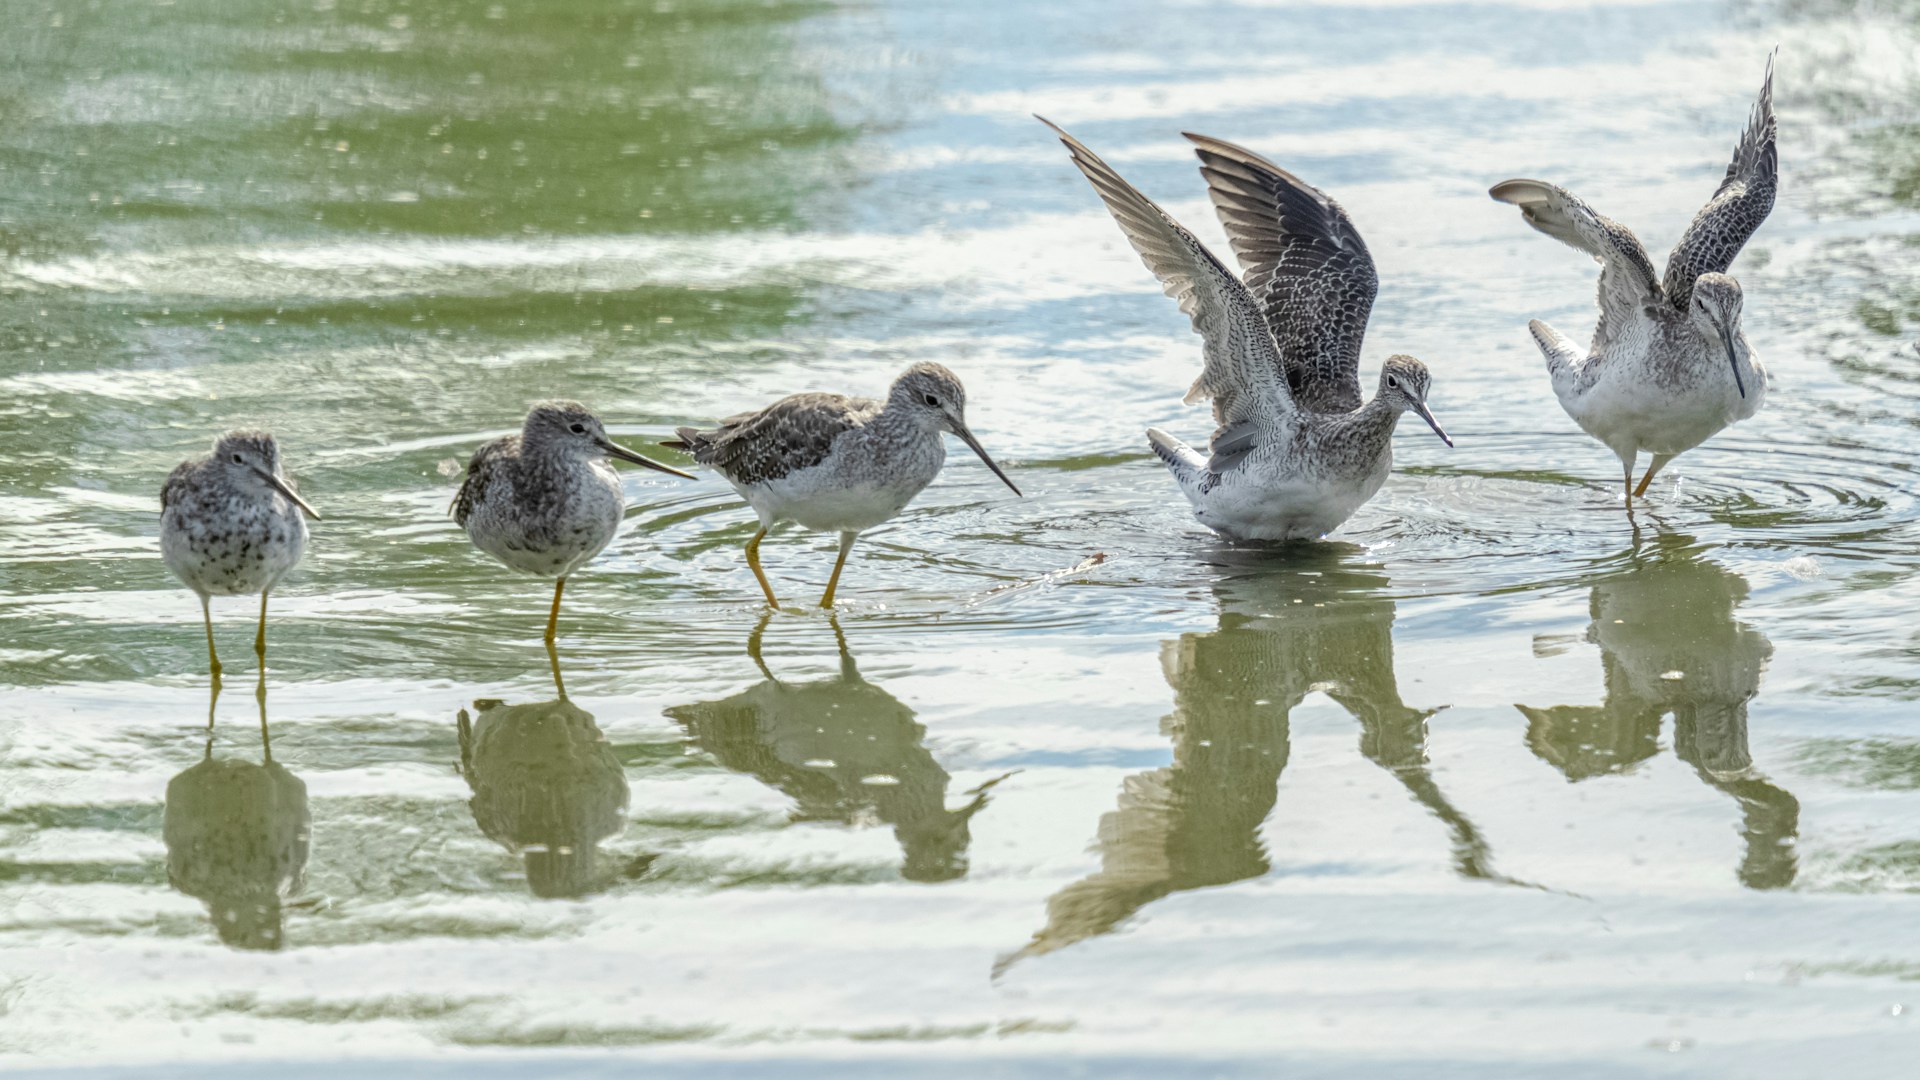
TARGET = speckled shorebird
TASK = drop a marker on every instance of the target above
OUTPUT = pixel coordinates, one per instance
(546, 501)
(231, 524)
(1296, 452)
(837, 464)
(1668, 366)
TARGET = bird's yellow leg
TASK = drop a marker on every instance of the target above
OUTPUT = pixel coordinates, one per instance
(260, 638)
(553, 617)
(753, 560)
(213, 657)
(846, 545)
(1659, 462)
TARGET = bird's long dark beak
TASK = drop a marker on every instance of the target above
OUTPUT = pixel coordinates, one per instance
(1733, 358)
(967, 437)
(1421, 408)
(625, 454)
(280, 486)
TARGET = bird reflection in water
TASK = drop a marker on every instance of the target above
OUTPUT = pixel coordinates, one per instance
(845, 751)
(1285, 630)
(237, 836)
(1670, 645)
(548, 787)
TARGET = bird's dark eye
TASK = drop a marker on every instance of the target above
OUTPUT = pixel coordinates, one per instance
(932, 402)
(578, 429)
(1393, 383)
(236, 459)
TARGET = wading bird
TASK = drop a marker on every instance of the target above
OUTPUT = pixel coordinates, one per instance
(232, 524)
(1295, 451)
(546, 501)
(833, 463)
(1668, 366)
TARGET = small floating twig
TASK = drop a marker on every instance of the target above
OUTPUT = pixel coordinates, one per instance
(1047, 578)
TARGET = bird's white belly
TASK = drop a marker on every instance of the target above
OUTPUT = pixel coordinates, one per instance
(236, 557)
(550, 545)
(1630, 414)
(1665, 406)
(1298, 508)
(816, 499)
(553, 557)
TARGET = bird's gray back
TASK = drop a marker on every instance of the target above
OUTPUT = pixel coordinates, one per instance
(791, 435)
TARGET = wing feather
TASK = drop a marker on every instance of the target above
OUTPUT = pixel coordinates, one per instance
(176, 484)
(1738, 207)
(480, 470)
(1627, 281)
(787, 436)
(1305, 263)
(1242, 368)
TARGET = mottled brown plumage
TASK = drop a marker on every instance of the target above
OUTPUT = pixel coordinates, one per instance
(1304, 262)
(232, 523)
(480, 467)
(742, 447)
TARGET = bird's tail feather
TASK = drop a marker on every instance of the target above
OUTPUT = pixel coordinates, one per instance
(689, 438)
(1182, 459)
(1563, 356)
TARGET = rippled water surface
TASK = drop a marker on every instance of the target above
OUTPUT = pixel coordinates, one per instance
(1497, 781)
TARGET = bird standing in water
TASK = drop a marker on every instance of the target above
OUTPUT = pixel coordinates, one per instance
(1295, 452)
(546, 501)
(837, 464)
(1668, 366)
(232, 524)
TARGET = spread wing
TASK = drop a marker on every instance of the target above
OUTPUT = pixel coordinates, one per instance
(480, 470)
(787, 436)
(1627, 282)
(1242, 369)
(1306, 264)
(1739, 205)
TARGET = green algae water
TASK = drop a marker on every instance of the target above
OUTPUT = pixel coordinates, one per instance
(1497, 782)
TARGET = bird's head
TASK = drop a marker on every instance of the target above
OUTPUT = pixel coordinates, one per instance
(571, 428)
(565, 425)
(933, 398)
(252, 460)
(1715, 312)
(1404, 382)
(932, 395)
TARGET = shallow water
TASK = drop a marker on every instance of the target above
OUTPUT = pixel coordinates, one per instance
(1498, 778)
